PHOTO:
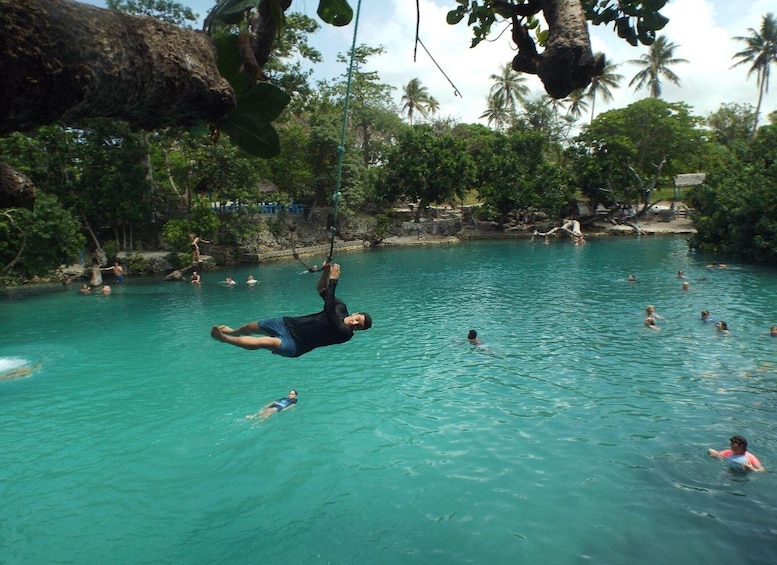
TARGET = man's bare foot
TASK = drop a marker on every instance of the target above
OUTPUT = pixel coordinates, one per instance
(216, 333)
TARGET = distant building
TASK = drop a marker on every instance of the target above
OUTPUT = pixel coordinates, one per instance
(687, 179)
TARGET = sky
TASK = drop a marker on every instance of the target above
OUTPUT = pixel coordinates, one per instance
(702, 30)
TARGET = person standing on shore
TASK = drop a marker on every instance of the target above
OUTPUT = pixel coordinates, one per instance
(195, 247)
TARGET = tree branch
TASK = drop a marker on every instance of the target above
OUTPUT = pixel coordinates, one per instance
(65, 61)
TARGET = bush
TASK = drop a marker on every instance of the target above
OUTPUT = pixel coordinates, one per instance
(137, 264)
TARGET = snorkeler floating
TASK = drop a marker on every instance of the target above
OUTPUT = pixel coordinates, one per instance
(292, 337)
(276, 406)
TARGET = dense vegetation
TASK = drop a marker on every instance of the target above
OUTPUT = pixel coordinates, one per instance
(102, 184)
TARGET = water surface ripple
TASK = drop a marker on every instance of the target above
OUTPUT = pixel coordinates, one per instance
(573, 434)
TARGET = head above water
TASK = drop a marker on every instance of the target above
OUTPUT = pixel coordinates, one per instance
(738, 440)
(472, 334)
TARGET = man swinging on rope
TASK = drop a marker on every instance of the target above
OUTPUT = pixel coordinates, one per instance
(292, 337)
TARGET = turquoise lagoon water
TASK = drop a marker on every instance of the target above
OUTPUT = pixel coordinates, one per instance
(574, 434)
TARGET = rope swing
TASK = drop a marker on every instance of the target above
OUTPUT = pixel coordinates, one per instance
(341, 147)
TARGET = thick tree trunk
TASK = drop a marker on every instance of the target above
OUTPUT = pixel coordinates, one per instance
(567, 62)
(16, 189)
(64, 61)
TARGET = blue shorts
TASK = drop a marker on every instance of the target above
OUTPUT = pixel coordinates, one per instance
(276, 327)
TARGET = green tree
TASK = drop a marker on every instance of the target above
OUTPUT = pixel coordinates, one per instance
(736, 207)
(34, 242)
(427, 167)
(509, 89)
(514, 173)
(577, 104)
(323, 149)
(541, 114)
(628, 151)
(732, 125)
(373, 120)
(497, 113)
(602, 85)
(415, 99)
(760, 52)
(290, 50)
(165, 10)
(655, 66)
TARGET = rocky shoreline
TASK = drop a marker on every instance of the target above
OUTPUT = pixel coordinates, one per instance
(158, 260)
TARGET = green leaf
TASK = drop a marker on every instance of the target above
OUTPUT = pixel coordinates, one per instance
(264, 100)
(454, 16)
(655, 21)
(626, 30)
(251, 133)
(646, 35)
(228, 61)
(239, 7)
(653, 5)
(335, 12)
(228, 12)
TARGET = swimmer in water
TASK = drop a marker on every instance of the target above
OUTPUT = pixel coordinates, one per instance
(650, 312)
(276, 406)
(472, 337)
(15, 370)
(739, 455)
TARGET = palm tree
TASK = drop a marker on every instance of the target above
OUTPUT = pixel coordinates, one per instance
(761, 52)
(432, 105)
(577, 103)
(602, 83)
(508, 87)
(416, 99)
(497, 113)
(555, 104)
(655, 65)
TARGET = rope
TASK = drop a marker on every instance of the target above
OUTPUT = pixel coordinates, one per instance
(292, 230)
(341, 147)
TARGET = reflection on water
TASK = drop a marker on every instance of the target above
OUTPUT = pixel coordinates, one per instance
(573, 433)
